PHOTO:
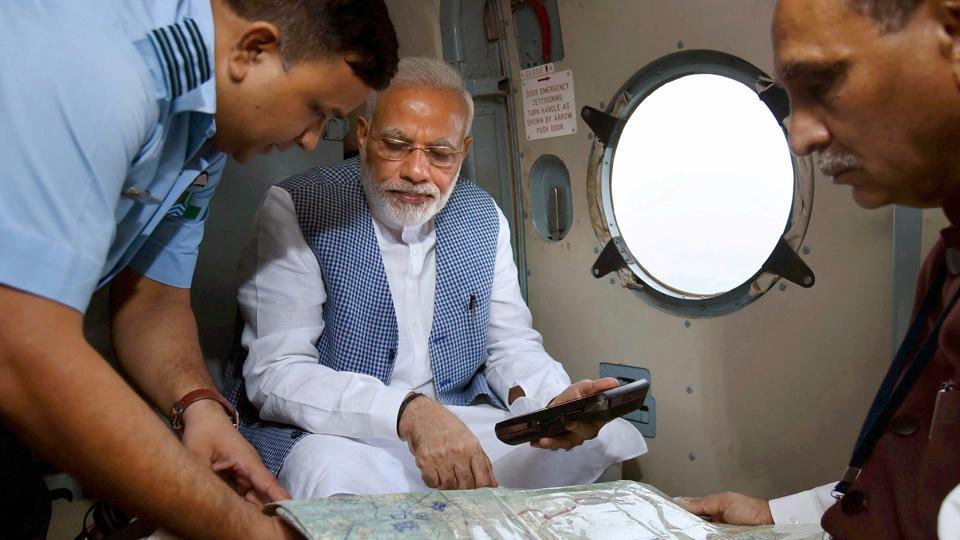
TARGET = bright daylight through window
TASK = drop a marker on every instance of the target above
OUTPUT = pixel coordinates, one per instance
(702, 185)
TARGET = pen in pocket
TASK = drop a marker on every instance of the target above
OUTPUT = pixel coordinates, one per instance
(944, 388)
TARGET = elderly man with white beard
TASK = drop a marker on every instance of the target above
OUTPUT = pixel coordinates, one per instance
(385, 330)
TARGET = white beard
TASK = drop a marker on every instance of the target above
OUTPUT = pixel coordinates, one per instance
(397, 212)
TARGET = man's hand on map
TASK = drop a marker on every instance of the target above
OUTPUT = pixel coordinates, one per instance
(448, 454)
(577, 432)
(210, 435)
(732, 508)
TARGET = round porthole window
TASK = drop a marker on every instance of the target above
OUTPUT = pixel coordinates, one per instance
(698, 197)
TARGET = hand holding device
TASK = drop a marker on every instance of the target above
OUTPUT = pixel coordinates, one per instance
(568, 423)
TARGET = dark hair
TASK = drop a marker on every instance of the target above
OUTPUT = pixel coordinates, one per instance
(890, 15)
(311, 29)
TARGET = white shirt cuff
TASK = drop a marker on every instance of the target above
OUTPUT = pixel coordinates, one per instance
(804, 507)
(383, 412)
(948, 522)
(542, 385)
(524, 405)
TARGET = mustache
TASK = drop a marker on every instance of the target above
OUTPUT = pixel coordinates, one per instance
(833, 162)
(425, 188)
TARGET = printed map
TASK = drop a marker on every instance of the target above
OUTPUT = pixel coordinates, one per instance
(615, 510)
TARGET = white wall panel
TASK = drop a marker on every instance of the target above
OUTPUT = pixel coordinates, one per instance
(779, 388)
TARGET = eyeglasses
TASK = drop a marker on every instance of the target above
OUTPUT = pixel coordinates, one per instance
(397, 150)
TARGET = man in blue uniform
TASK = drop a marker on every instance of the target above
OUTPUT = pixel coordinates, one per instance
(115, 118)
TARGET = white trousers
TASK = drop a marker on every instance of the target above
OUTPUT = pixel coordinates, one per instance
(324, 465)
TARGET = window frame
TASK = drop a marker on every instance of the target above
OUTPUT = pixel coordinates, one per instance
(783, 262)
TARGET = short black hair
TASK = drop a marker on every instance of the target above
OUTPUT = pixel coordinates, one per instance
(890, 15)
(312, 29)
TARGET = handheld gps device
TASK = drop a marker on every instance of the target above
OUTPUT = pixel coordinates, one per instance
(549, 422)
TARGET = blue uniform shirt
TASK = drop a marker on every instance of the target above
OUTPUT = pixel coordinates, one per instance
(106, 115)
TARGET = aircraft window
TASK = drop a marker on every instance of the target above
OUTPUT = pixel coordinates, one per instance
(702, 202)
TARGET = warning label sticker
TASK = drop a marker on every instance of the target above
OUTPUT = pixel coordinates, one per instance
(548, 106)
(537, 71)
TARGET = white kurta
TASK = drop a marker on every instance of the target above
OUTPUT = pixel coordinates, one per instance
(353, 446)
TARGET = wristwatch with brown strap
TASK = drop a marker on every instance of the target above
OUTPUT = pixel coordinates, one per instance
(176, 413)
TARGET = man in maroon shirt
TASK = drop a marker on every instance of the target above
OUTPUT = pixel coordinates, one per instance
(874, 88)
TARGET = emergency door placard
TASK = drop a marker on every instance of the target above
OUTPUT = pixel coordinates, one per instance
(548, 106)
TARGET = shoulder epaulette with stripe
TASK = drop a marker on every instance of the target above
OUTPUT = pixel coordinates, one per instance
(184, 54)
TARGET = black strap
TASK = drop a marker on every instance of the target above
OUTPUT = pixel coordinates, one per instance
(112, 523)
(403, 405)
(139, 528)
(902, 375)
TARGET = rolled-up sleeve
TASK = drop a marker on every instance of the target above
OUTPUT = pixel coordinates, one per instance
(281, 296)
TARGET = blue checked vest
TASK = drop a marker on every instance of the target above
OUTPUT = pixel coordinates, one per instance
(360, 324)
